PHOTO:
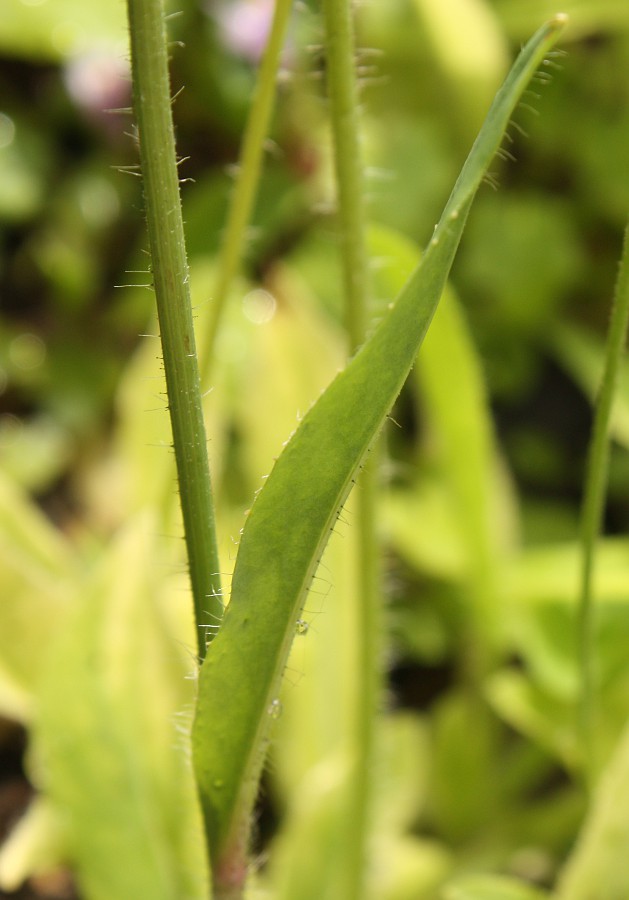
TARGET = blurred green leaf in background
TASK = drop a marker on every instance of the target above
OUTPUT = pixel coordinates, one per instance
(478, 794)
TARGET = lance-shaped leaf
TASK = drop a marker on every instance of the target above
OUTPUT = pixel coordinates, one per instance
(296, 510)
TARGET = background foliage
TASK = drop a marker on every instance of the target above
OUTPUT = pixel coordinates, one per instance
(484, 477)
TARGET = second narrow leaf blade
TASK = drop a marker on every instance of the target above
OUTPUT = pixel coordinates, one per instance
(292, 518)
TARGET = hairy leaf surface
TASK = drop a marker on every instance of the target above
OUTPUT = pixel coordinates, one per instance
(295, 512)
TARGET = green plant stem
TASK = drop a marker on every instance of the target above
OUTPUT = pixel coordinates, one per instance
(593, 504)
(344, 103)
(152, 102)
(247, 178)
(344, 106)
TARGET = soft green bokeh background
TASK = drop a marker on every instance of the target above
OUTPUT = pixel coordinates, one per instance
(483, 482)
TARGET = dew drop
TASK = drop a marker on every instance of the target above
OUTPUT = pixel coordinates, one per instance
(218, 783)
(275, 709)
(301, 626)
(259, 306)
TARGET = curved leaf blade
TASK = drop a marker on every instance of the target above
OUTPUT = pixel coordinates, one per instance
(295, 512)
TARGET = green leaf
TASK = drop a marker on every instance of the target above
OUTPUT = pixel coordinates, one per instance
(421, 524)
(64, 28)
(471, 52)
(449, 367)
(307, 861)
(589, 17)
(290, 359)
(35, 845)
(464, 783)
(450, 375)
(551, 572)
(109, 753)
(295, 512)
(491, 887)
(308, 856)
(37, 568)
(537, 714)
(583, 357)
(411, 868)
(598, 866)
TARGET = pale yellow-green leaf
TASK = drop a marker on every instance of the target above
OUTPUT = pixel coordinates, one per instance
(537, 714)
(583, 357)
(292, 357)
(38, 572)
(453, 399)
(470, 49)
(409, 868)
(420, 524)
(57, 29)
(597, 868)
(35, 845)
(491, 887)
(586, 17)
(307, 858)
(111, 734)
(552, 572)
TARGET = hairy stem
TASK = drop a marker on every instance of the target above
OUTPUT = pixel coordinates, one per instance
(593, 504)
(152, 103)
(344, 106)
(247, 177)
(343, 100)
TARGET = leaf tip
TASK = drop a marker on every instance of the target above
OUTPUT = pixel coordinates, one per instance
(559, 21)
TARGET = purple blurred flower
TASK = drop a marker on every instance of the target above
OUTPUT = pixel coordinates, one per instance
(245, 26)
(98, 81)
